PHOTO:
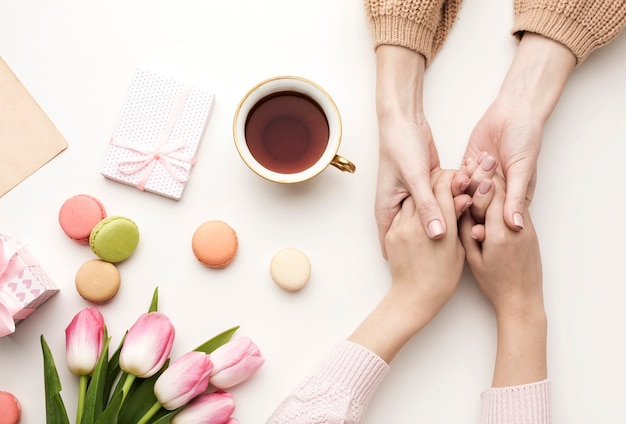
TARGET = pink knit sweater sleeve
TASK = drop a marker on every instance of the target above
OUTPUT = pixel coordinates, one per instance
(337, 392)
(341, 387)
(525, 404)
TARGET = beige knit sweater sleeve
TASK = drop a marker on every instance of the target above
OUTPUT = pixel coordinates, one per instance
(581, 25)
(420, 25)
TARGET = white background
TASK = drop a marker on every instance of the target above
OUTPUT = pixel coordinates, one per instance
(77, 59)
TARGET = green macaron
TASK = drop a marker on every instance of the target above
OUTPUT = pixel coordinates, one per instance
(114, 239)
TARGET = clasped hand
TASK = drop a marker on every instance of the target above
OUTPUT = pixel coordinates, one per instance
(505, 263)
(425, 272)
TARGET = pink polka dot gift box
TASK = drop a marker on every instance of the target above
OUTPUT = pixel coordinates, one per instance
(161, 126)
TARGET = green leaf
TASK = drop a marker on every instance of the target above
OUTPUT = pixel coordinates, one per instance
(154, 305)
(109, 415)
(94, 400)
(140, 398)
(120, 383)
(113, 372)
(165, 416)
(217, 341)
(55, 409)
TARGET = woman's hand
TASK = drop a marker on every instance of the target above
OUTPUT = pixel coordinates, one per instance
(407, 149)
(506, 265)
(511, 129)
(424, 272)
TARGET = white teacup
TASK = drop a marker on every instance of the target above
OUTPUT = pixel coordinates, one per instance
(287, 129)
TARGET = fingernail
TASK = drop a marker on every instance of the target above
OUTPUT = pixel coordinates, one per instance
(464, 185)
(482, 156)
(518, 220)
(466, 206)
(484, 186)
(435, 228)
(488, 163)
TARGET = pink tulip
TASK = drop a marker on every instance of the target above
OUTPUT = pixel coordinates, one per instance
(185, 378)
(214, 408)
(147, 345)
(234, 362)
(83, 341)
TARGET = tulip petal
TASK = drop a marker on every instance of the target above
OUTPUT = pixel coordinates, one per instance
(183, 380)
(147, 345)
(214, 408)
(237, 374)
(230, 353)
(235, 362)
(83, 341)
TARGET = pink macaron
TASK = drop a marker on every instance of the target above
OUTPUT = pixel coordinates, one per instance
(78, 215)
(10, 409)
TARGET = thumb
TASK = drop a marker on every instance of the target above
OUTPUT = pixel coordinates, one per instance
(427, 208)
(520, 186)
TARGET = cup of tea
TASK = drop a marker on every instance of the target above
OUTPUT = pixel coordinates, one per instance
(287, 129)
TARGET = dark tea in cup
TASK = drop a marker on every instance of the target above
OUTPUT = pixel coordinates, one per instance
(287, 132)
(287, 129)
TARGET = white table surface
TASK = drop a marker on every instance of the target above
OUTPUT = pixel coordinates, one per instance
(77, 59)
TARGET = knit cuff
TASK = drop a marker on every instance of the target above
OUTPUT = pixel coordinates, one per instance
(354, 368)
(561, 28)
(524, 404)
(397, 31)
(582, 27)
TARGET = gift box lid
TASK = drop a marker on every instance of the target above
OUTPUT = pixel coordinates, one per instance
(160, 128)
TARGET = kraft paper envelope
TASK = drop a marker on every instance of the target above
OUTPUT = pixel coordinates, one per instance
(28, 139)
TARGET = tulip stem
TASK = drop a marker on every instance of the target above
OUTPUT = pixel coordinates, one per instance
(153, 410)
(130, 378)
(82, 391)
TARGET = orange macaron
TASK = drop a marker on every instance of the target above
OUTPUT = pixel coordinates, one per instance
(214, 244)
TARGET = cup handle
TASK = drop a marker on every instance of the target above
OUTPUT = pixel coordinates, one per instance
(343, 164)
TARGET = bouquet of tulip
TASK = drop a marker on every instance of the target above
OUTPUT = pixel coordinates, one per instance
(137, 384)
